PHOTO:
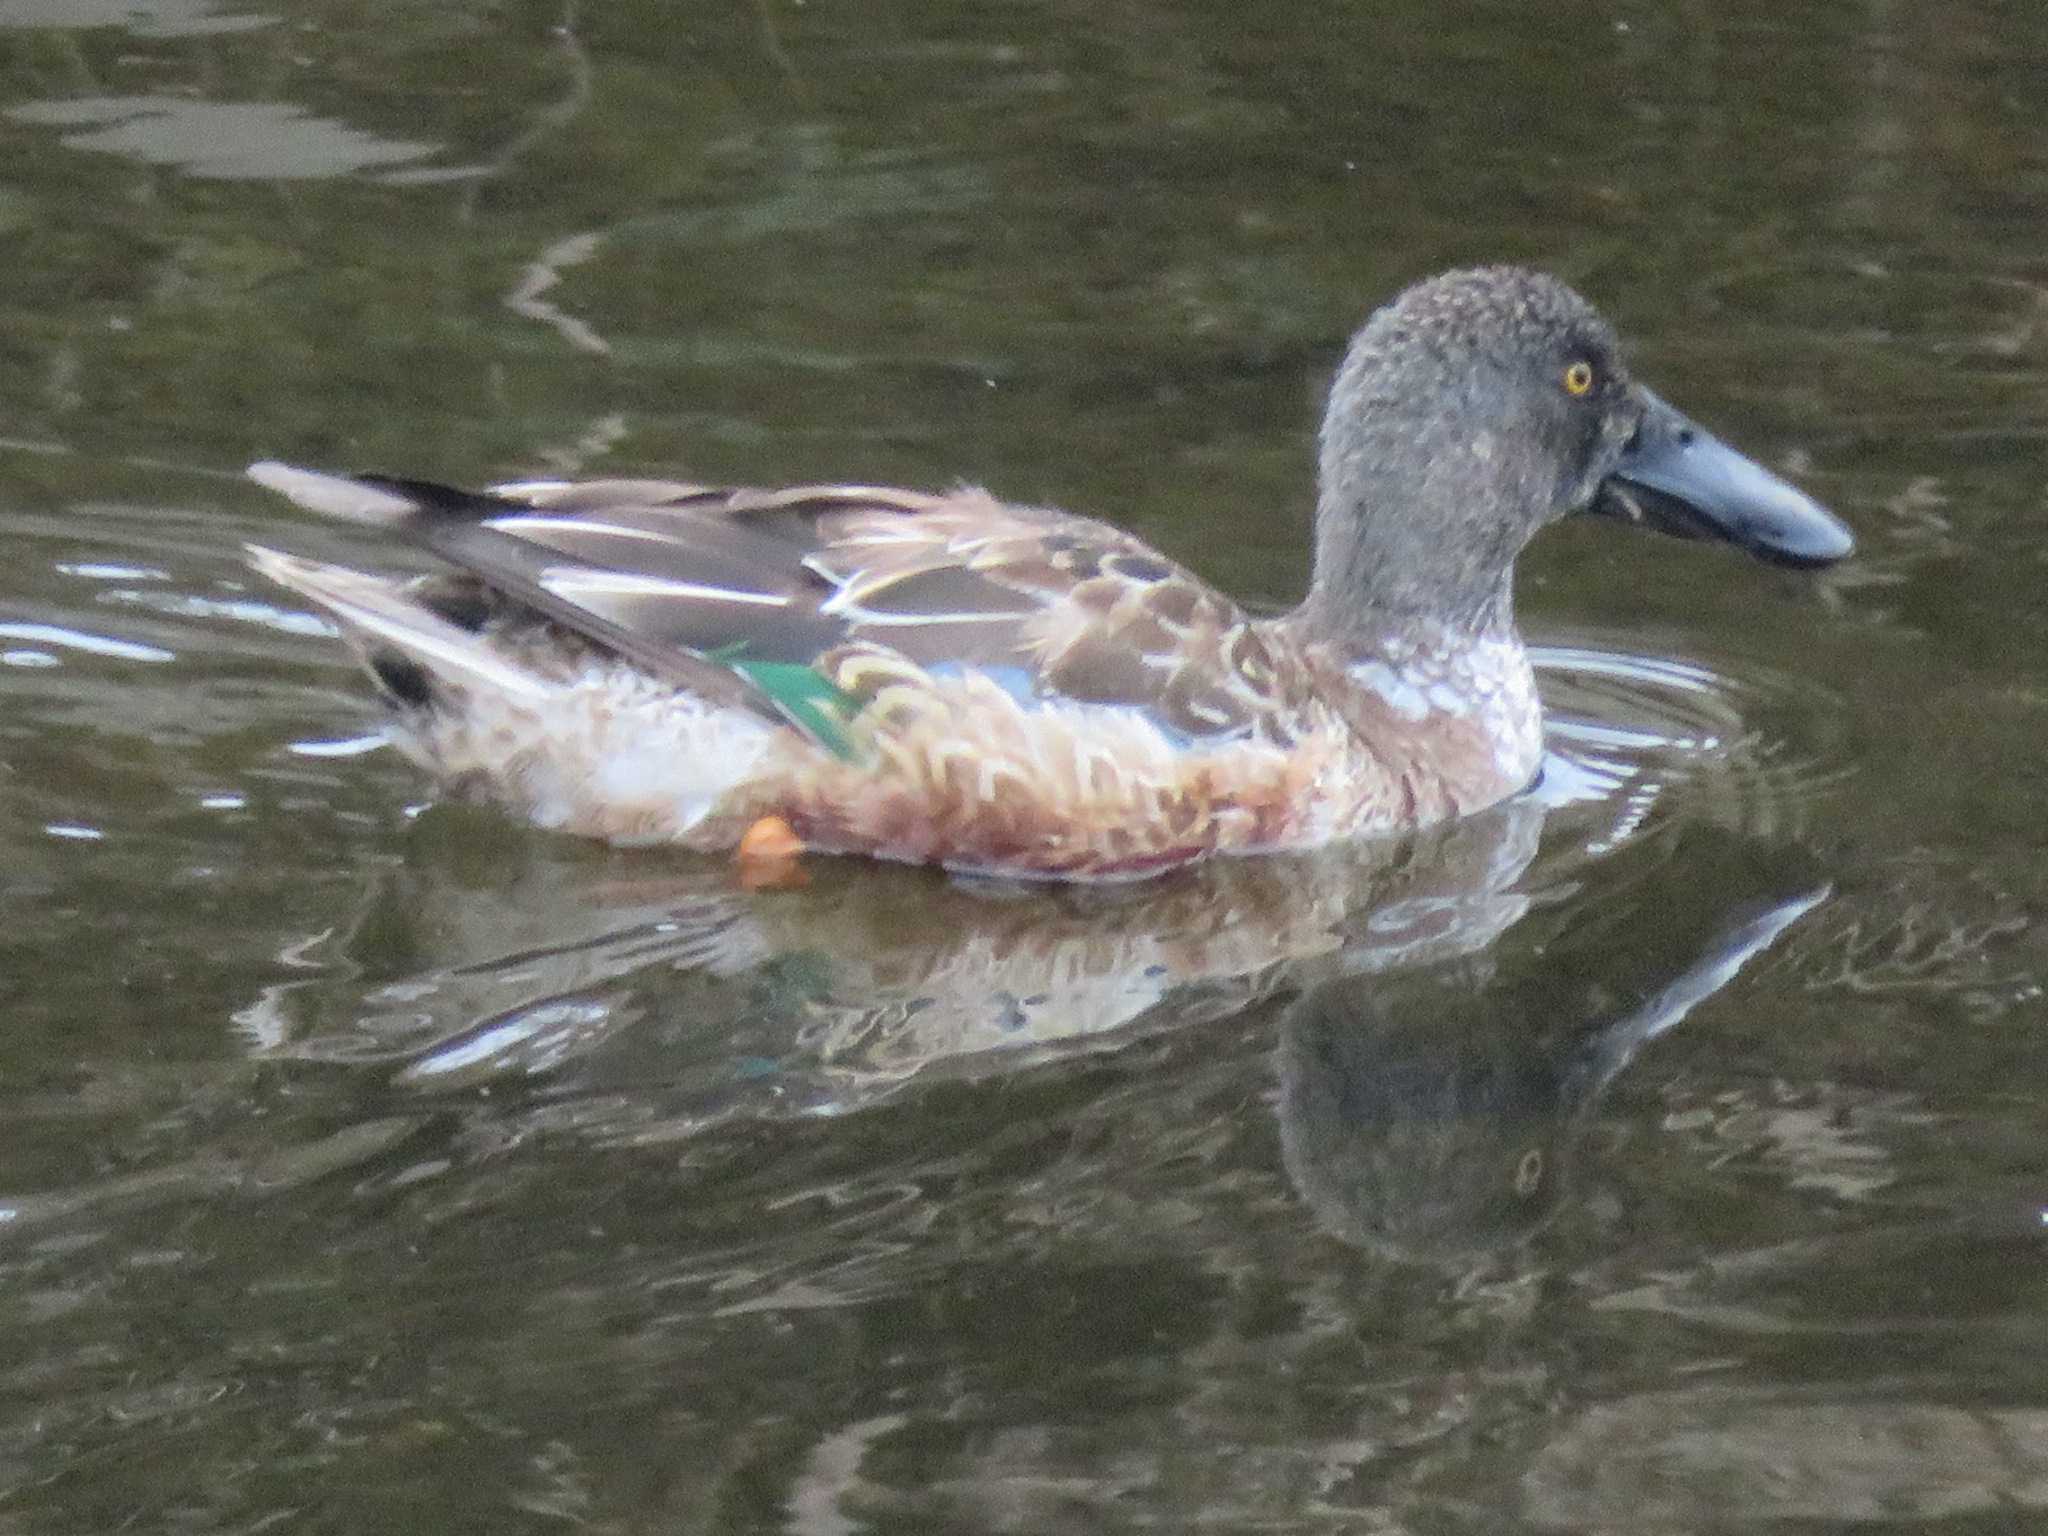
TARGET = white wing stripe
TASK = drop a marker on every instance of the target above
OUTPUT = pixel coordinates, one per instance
(854, 613)
(579, 584)
(525, 522)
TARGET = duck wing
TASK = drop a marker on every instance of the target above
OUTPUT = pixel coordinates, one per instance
(906, 584)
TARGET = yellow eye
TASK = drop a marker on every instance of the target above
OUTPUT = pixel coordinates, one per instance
(1578, 378)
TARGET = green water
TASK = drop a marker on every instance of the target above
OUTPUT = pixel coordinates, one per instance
(372, 1164)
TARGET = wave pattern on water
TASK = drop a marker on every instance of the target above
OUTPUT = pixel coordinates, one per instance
(1750, 748)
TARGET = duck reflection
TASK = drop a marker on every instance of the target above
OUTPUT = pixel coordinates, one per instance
(827, 995)
(1432, 1115)
(651, 997)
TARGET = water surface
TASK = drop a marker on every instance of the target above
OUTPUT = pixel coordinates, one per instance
(367, 1162)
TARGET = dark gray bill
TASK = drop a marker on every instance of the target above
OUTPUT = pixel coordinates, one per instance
(1679, 478)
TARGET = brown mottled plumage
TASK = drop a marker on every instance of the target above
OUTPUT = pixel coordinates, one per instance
(951, 679)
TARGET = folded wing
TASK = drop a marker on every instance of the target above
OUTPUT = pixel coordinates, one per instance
(860, 585)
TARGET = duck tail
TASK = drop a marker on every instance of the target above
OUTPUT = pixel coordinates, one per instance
(342, 496)
(413, 653)
(378, 501)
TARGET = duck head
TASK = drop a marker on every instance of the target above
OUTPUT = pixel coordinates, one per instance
(1481, 405)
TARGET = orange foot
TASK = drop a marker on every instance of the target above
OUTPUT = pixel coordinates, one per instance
(768, 856)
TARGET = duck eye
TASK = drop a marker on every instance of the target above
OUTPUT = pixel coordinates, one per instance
(1578, 378)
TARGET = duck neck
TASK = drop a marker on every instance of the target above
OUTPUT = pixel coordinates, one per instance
(1420, 661)
(1372, 590)
(1418, 520)
(1448, 654)
(1425, 493)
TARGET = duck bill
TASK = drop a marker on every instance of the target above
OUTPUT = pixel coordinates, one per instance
(1679, 478)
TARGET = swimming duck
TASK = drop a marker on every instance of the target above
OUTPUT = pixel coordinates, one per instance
(945, 678)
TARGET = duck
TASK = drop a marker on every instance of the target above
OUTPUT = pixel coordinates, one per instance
(945, 678)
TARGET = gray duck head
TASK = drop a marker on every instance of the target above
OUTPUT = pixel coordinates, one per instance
(1481, 405)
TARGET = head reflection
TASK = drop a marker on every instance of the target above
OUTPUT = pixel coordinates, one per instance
(1432, 1115)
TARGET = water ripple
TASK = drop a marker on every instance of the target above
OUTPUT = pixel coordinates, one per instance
(80, 640)
(1744, 745)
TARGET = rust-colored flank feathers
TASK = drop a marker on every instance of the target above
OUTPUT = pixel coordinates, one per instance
(950, 679)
